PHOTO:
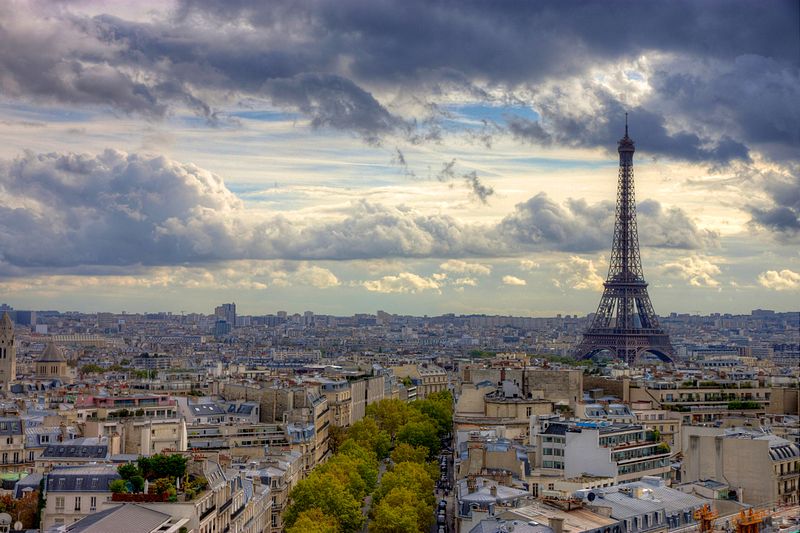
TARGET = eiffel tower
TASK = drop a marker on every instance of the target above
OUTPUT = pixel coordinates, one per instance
(625, 324)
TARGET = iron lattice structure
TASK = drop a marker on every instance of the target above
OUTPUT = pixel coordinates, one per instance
(625, 324)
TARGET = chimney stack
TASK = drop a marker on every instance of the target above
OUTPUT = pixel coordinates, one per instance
(556, 524)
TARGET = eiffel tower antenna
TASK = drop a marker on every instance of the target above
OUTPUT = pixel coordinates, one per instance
(625, 323)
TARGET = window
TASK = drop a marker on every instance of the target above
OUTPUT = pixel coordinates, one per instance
(551, 486)
(93, 503)
(77, 503)
(59, 503)
(528, 411)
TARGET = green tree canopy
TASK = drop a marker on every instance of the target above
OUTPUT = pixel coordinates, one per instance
(324, 491)
(367, 462)
(336, 435)
(160, 465)
(405, 452)
(438, 411)
(128, 470)
(412, 476)
(389, 414)
(367, 434)
(314, 521)
(424, 433)
(400, 512)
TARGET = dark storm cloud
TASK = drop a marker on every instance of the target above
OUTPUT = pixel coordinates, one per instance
(648, 129)
(332, 101)
(118, 209)
(783, 215)
(329, 60)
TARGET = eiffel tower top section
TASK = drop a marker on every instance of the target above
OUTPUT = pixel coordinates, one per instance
(625, 323)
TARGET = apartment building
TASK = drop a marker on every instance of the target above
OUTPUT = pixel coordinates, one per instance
(700, 401)
(763, 469)
(90, 407)
(12, 445)
(245, 440)
(231, 502)
(667, 423)
(428, 378)
(281, 472)
(623, 452)
(74, 492)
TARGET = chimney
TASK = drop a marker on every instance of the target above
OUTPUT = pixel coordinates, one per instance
(493, 491)
(472, 485)
(556, 524)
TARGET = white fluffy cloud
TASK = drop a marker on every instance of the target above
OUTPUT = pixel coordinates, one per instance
(528, 264)
(784, 280)
(698, 271)
(513, 280)
(462, 267)
(579, 273)
(116, 209)
(404, 282)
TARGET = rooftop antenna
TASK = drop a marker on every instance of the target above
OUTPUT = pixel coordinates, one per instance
(626, 124)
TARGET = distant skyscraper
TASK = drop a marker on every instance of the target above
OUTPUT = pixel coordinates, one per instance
(8, 352)
(226, 312)
(625, 323)
(25, 318)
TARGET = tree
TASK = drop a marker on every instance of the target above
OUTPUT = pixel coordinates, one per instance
(345, 469)
(367, 462)
(412, 476)
(400, 511)
(323, 491)
(137, 483)
(423, 433)
(25, 509)
(389, 414)
(336, 436)
(367, 434)
(160, 465)
(128, 470)
(163, 485)
(118, 486)
(314, 521)
(438, 411)
(405, 452)
(91, 369)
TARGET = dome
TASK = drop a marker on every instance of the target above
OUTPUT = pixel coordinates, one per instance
(52, 354)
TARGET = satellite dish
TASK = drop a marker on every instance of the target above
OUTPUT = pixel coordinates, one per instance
(5, 519)
(17, 526)
(591, 496)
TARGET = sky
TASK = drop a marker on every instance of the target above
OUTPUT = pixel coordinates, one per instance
(418, 157)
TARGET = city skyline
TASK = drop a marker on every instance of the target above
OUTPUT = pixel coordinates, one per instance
(178, 155)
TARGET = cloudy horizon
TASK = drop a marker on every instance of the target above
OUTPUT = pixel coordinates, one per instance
(418, 157)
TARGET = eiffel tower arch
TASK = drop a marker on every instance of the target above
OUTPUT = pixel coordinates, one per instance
(625, 323)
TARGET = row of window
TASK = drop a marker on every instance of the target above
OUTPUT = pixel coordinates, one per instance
(78, 501)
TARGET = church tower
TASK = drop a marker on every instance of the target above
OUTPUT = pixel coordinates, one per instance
(8, 353)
